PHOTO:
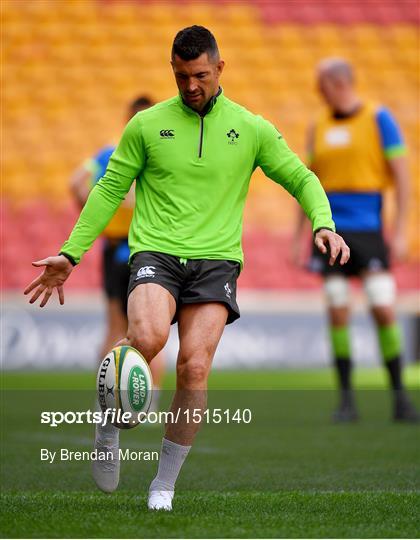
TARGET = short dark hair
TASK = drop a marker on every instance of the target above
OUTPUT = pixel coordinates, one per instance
(193, 41)
(140, 102)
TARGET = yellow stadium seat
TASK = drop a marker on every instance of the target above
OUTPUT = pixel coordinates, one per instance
(324, 36)
(365, 35)
(403, 35)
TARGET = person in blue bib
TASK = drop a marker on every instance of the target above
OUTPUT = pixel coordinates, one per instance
(357, 151)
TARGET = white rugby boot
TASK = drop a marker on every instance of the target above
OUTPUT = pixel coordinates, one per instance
(160, 500)
(106, 469)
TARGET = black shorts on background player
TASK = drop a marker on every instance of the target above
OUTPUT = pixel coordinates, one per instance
(116, 272)
(368, 252)
(189, 281)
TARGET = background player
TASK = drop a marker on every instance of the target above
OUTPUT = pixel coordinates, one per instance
(194, 155)
(357, 151)
(115, 250)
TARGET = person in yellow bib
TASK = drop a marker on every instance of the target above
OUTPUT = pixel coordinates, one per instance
(357, 150)
(115, 250)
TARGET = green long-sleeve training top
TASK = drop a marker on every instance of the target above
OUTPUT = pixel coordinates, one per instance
(192, 176)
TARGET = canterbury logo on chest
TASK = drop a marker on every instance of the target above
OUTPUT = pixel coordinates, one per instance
(167, 133)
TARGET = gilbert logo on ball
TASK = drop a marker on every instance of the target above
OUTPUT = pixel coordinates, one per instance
(124, 385)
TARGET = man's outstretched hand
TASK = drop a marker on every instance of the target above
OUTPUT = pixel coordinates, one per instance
(325, 239)
(57, 270)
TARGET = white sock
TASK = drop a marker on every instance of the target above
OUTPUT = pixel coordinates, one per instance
(108, 432)
(172, 457)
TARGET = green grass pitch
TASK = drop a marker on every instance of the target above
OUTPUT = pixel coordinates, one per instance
(289, 473)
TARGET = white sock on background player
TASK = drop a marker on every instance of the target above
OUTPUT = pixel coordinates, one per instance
(161, 491)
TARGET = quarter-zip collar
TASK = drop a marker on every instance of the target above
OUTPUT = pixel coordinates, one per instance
(214, 104)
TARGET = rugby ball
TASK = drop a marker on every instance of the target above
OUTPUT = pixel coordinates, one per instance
(124, 385)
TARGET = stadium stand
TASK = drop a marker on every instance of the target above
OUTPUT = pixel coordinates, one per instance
(69, 68)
